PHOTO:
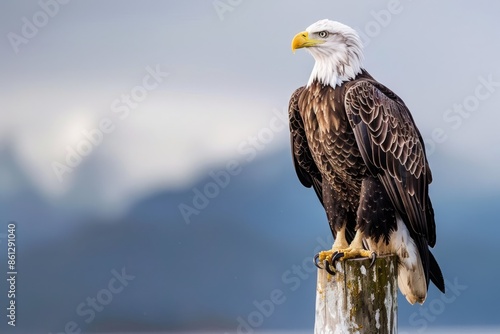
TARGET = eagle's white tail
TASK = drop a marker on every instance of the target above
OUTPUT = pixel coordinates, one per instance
(411, 277)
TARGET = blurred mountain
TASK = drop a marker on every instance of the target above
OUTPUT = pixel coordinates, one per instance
(21, 201)
(243, 260)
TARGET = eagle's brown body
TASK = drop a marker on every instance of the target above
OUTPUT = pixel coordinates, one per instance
(358, 147)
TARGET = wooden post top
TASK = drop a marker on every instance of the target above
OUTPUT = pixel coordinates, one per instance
(358, 299)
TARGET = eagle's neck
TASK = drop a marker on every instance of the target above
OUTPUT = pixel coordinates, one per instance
(335, 68)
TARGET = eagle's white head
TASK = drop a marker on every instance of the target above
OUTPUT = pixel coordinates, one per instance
(337, 49)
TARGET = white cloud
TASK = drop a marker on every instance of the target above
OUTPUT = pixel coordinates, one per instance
(169, 141)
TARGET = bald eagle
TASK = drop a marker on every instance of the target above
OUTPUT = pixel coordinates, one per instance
(355, 142)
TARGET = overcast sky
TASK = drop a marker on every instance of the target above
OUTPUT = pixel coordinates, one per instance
(179, 86)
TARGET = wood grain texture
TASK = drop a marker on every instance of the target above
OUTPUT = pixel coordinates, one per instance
(358, 299)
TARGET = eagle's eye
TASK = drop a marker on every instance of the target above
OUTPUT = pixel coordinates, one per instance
(323, 34)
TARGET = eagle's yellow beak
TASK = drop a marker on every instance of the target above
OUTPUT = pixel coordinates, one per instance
(302, 40)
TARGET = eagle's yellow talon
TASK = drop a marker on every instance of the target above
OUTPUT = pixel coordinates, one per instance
(325, 255)
(352, 253)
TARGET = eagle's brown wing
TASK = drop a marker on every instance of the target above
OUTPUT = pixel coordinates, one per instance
(393, 150)
(305, 167)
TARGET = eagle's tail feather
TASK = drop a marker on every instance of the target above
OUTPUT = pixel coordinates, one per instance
(435, 273)
(411, 276)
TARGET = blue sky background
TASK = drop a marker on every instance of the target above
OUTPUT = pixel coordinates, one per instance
(225, 78)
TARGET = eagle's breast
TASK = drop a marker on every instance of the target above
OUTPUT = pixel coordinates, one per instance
(331, 140)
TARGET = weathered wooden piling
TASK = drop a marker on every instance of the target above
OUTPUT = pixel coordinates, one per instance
(358, 299)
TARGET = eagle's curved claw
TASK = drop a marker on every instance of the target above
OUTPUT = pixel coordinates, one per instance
(336, 256)
(373, 257)
(316, 263)
(329, 268)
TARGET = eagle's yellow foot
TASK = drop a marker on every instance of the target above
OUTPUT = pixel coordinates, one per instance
(326, 258)
(330, 257)
(352, 253)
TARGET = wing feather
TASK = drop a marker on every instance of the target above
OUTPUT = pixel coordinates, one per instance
(393, 149)
(305, 167)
